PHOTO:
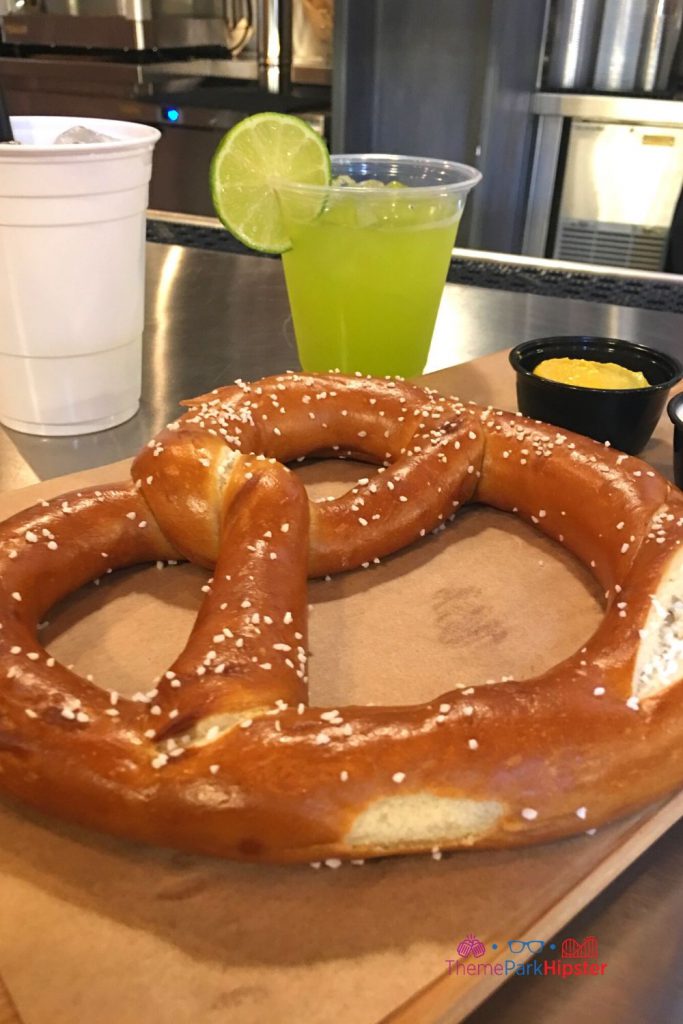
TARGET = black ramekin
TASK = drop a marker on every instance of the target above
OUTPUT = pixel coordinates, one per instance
(624, 417)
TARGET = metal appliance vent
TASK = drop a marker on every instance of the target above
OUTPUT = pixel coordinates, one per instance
(615, 245)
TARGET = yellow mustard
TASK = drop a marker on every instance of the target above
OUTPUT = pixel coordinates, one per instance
(587, 373)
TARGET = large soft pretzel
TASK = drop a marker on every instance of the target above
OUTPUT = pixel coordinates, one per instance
(224, 755)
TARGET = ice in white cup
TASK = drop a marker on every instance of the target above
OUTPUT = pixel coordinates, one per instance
(72, 261)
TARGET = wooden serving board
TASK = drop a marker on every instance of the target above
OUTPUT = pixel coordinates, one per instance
(99, 930)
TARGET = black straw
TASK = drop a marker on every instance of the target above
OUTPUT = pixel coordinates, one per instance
(6, 134)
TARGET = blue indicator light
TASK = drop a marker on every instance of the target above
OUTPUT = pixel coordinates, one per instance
(172, 114)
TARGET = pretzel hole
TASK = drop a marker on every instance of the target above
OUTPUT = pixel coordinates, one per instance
(332, 476)
(140, 617)
(478, 594)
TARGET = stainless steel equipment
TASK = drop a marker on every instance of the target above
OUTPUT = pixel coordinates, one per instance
(574, 43)
(272, 42)
(312, 27)
(621, 36)
(615, 46)
(621, 184)
(118, 24)
(662, 32)
(606, 175)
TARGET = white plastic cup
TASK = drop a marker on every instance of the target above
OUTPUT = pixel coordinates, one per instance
(72, 275)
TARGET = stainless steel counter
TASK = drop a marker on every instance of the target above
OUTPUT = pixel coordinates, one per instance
(212, 317)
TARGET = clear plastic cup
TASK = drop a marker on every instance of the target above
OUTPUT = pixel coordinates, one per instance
(72, 260)
(369, 259)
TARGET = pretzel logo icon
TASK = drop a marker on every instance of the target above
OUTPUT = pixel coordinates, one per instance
(586, 950)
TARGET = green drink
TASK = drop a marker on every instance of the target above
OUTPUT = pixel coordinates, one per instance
(365, 239)
(368, 262)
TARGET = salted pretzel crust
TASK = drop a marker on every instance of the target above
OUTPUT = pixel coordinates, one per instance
(224, 755)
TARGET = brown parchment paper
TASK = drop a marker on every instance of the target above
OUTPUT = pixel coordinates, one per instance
(98, 930)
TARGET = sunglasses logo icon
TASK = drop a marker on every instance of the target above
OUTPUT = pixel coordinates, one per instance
(520, 945)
